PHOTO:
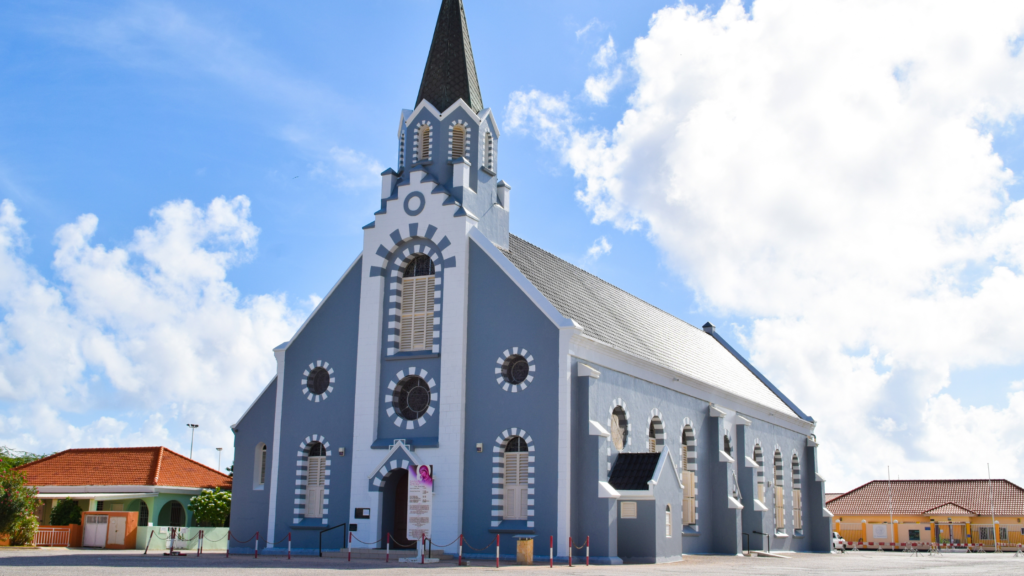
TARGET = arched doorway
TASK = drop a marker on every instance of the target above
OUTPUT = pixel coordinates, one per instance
(172, 514)
(394, 509)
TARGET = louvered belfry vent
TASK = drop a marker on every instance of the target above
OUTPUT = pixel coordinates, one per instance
(450, 72)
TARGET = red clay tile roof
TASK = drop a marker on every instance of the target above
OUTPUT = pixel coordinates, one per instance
(152, 466)
(922, 496)
(950, 509)
(829, 496)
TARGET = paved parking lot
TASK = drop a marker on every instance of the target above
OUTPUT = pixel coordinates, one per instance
(90, 562)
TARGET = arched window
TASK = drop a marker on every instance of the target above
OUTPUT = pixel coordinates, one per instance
(516, 486)
(780, 503)
(668, 521)
(620, 428)
(411, 398)
(259, 473)
(688, 457)
(416, 331)
(316, 474)
(177, 514)
(759, 458)
(424, 142)
(458, 142)
(655, 435)
(798, 507)
(143, 514)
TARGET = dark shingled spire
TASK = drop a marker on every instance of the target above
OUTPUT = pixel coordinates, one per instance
(450, 73)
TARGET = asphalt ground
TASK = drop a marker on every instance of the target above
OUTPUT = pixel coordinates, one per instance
(77, 562)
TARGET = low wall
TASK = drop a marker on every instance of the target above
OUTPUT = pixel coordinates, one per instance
(187, 539)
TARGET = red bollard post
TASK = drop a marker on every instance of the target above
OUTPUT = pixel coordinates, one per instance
(460, 549)
(423, 542)
(199, 546)
(551, 552)
(387, 546)
(588, 550)
(570, 551)
(289, 545)
(349, 546)
(256, 547)
(227, 552)
(497, 551)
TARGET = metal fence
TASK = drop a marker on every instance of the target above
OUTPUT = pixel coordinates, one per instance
(52, 536)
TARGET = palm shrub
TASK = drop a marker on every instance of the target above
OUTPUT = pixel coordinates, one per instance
(210, 507)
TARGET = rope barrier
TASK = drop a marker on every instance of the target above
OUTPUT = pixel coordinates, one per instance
(208, 539)
(279, 541)
(397, 545)
(244, 541)
(484, 548)
(431, 540)
(367, 543)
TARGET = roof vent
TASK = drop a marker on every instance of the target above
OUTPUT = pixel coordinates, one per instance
(709, 328)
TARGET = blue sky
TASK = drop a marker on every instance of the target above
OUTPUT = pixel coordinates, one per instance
(118, 109)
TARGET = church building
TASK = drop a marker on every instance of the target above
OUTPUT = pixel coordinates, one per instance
(544, 401)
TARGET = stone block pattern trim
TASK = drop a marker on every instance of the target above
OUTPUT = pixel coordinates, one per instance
(417, 154)
(658, 421)
(381, 477)
(619, 403)
(690, 439)
(305, 374)
(498, 476)
(759, 458)
(388, 398)
(451, 130)
(302, 476)
(502, 381)
(406, 246)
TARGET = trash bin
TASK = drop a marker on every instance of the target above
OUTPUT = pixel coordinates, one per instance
(524, 550)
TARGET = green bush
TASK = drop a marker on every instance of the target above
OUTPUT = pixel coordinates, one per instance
(66, 512)
(17, 501)
(24, 531)
(210, 508)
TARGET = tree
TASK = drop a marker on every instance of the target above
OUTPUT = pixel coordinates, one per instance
(210, 508)
(17, 502)
(231, 470)
(11, 458)
(66, 512)
(23, 532)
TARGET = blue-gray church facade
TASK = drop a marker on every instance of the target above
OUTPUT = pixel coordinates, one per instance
(547, 402)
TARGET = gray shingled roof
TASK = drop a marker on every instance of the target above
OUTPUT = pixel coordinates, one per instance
(632, 471)
(623, 321)
(450, 72)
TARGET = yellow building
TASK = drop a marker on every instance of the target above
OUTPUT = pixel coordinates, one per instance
(902, 514)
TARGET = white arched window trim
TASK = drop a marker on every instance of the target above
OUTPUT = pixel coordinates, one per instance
(259, 472)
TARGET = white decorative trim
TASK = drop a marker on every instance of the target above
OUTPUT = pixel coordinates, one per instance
(690, 464)
(659, 429)
(389, 409)
(416, 152)
(302, 477)
(503, 380)
(451, 132)
(498, 475)
(305, 386)
(620, 403)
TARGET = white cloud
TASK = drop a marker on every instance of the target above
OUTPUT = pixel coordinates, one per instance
(598, 87)
(349, 168)
(848, 201)
(154, 326)
(599, 248)
(594, 24)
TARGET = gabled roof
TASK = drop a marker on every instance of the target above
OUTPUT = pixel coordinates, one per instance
(931, 498)
(949, 509)
(617, 318)
(151, 466)
(632, 471)
(450, 72)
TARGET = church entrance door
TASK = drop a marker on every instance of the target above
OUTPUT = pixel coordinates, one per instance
(396, 506)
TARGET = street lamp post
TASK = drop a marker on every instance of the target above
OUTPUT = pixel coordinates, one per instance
(218, 459)
(193, 441)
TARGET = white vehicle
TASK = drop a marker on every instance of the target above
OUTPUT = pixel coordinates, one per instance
(838, 542)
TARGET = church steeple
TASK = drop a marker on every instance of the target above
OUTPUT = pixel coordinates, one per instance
(450, 73)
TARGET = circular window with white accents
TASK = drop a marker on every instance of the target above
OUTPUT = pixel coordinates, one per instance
(411, 398)
(318, 381)
(515, 370)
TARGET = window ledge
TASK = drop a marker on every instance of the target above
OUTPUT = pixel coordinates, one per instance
(413, 355)
(798, 534)
(260, 487)
(781, 535)
(488, 171)
(690, 531)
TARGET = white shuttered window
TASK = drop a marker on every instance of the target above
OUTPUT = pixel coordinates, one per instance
(417, 329)
(689, 501)
(316, 473)
(517, 479)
